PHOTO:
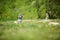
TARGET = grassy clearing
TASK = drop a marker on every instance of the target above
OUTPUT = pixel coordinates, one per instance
(29, 31)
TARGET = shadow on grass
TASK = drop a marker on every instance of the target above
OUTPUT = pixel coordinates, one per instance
(58, 38)
(1, 25)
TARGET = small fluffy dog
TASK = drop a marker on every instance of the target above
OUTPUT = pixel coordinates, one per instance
(19, 18)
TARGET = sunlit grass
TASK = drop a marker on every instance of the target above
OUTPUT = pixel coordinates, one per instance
(29, 31)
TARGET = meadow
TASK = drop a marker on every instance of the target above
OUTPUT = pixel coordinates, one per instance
(33, 25)
(29, 30)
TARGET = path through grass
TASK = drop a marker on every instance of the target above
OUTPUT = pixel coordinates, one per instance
(29, 31)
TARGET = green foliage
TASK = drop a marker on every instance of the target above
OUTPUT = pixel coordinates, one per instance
(54, 7)
(31, 9)
(11, 8)
(41, 8)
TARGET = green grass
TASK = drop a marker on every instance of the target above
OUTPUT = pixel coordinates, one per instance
(29, 31)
